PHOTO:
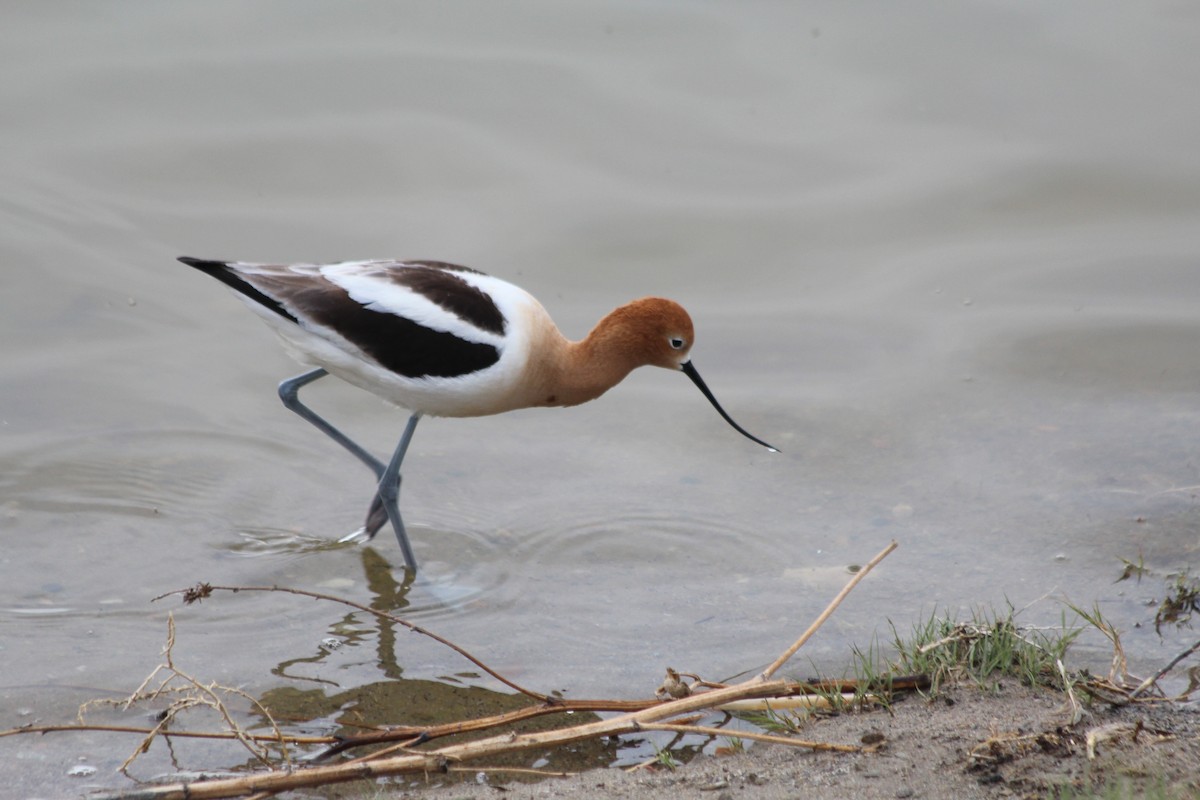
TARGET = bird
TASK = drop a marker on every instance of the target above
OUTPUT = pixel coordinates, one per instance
(444, 340)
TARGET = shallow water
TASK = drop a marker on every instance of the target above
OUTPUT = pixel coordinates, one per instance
(945, 259)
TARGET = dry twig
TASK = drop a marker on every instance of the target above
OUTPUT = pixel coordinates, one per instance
(1146, 684)
(204, 590)
(192, 694)
(820, 620)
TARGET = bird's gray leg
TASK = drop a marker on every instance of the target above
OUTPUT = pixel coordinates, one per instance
(385, 505)
(388, 496)
(377, 515)
(289, 393)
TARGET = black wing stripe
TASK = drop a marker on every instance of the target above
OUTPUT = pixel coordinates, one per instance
(396, 343)
(222, 272)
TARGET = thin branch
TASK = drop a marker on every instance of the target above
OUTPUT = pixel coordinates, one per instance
(541, 773)
(1146, 684)
(203, 590)
(757, 737)
(802, 701)
(341, 743)
(1072, 702)
(837, 601)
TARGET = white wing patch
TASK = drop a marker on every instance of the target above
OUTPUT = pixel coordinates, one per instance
(385, 296)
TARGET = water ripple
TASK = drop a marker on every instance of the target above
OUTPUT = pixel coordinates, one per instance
(711, 545)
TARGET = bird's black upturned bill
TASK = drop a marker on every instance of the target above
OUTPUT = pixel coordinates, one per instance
(691, 372)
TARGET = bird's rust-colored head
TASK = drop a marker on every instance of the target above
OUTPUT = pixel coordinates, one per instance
(656, 332)
(651, 331)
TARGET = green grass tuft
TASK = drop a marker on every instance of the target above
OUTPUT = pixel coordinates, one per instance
(988, 646)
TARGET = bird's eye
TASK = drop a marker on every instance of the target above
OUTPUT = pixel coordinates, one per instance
(677, 343)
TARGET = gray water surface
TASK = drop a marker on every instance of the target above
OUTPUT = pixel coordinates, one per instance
(945, 257)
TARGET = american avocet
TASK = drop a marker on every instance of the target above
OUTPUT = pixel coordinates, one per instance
(448, 341)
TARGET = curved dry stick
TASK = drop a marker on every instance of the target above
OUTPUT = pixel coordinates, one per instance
(430, 732)
(338, 744)
(837, 601)
(541, 773)
(203, 590)
(757, 737)
(258, 737)
(401, 733)
(1146, 684)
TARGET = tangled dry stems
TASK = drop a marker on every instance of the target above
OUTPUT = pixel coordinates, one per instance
(681, 702)
(184, 693)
